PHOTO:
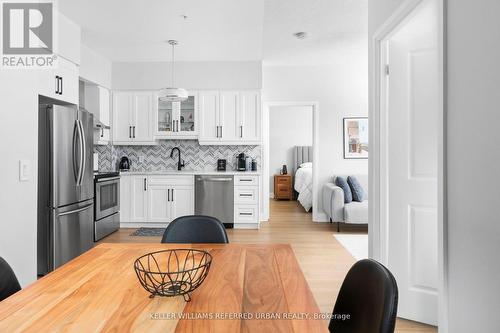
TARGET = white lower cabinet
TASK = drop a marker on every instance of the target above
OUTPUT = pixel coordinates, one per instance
(138, 199)
(246, 202)
(155, 200)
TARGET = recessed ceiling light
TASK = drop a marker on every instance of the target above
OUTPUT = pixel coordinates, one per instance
(300, 35)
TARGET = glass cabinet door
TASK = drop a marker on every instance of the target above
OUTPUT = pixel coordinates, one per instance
(187, 115)
(165, 117)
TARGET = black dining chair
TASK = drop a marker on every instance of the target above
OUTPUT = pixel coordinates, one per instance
(369, 296)
(8, 280)
(195, 229)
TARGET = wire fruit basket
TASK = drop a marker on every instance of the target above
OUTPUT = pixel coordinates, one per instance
(173, 272)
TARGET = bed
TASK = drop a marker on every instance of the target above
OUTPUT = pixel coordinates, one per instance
(303, 175)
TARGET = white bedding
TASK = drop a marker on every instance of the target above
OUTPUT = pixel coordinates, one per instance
(303, 185)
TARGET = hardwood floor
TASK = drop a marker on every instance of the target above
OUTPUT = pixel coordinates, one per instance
(321, 257)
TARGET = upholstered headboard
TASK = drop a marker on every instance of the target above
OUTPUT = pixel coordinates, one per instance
(302, 154)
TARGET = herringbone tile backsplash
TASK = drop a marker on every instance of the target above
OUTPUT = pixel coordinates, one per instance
(157, 158)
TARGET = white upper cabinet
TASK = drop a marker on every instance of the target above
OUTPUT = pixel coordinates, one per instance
(209, 116)
(250, 117)
(230, 117)
(97, 101)
(176, 120)
(132, 118)
(61, 82)
(142, 117)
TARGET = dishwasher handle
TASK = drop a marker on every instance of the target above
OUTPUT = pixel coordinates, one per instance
(214, 179)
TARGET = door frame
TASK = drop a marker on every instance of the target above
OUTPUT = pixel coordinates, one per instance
(378, 225)
(265, 193)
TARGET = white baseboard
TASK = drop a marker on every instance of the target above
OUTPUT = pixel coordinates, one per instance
(247, 226)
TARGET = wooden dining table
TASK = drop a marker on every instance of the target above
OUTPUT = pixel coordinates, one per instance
(249, 288)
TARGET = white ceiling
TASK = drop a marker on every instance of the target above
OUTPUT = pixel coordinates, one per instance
(333, 27)
(220, 30)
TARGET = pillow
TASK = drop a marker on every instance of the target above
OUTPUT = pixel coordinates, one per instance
(356, 189)
(306, 165)
(342, 183)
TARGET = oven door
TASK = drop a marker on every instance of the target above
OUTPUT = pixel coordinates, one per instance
(107, 197)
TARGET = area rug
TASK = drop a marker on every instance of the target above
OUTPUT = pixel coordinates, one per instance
(148, 232)
(356, 245)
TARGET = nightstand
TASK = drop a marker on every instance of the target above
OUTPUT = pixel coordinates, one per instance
(283, 187)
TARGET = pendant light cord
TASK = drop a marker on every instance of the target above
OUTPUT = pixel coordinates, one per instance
(173, 46)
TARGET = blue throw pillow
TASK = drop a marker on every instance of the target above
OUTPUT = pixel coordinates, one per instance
(342, 183)
(356, 189)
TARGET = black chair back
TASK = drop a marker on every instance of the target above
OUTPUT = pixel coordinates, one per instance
(369, 295)
(195, 229)
(8, 280)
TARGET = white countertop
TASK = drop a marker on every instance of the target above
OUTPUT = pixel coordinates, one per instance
(190, 172)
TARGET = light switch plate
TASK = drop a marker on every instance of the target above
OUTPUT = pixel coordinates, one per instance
(24, 170)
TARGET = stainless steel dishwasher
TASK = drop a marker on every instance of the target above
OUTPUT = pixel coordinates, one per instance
(214, 196)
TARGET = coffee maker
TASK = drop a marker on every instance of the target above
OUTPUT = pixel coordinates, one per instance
(241, 163)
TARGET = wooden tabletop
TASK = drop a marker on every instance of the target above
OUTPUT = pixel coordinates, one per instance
(250, 288)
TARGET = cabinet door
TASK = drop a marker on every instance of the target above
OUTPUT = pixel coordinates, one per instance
(138, 199)
(158, 204)
(229, 109)
(69, 82)
(209, 116)
(182, 199)
(125, 186)
(250, 117)
(164, 113)
(142, 117)
(188, 115)
(122, 112)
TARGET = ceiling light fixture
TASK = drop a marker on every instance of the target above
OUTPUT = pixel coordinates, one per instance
(173, 94)
(300, 35)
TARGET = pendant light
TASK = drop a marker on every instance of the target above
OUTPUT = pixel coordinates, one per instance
(173, 94)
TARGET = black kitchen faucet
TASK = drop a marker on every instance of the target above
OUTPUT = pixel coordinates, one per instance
(180, 163)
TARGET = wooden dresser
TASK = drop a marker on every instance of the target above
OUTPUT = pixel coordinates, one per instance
(283, 187)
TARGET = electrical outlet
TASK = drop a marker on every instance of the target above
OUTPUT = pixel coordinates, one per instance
(141, 158)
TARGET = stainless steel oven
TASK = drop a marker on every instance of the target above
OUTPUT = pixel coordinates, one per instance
(107, 204)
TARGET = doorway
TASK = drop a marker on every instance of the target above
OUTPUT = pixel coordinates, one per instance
(407, 219)
(271, 166)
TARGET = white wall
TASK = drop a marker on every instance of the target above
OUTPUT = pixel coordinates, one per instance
(190, 75)
(473, 156)
(289, 126)
(18, 200)
(95, 68)
(473, 85)
(341, 89)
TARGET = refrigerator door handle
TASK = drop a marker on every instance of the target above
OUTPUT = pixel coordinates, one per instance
(76, 210)
(76, 172)
(80, 167)
(84, 152)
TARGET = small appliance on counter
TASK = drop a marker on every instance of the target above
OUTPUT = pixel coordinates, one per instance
(254, 165)
(241, 163)
(221, 165)
(124, 164)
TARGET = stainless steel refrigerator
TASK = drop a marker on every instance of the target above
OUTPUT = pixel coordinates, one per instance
(65, 185)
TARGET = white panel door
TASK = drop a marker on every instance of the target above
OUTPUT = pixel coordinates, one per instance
(229, 120)
(250, 113)
(209, 116)
(138, 199)
(182, 199)
(143, 117)
(412, 157)
(122, 116)
(158, 204)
